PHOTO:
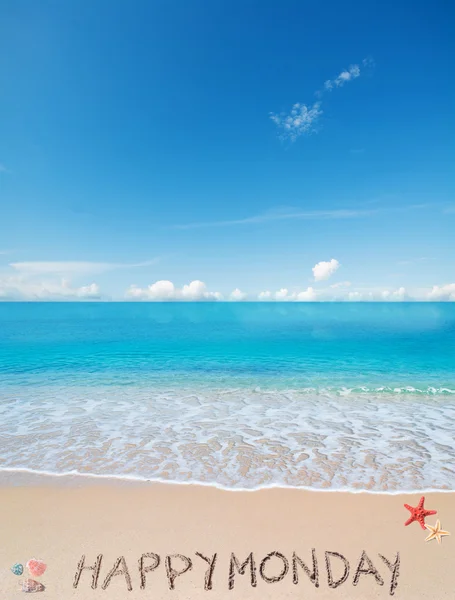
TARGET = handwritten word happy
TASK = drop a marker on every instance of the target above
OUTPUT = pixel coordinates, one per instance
(271, 569)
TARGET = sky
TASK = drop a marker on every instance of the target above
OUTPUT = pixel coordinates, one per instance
(227, 150)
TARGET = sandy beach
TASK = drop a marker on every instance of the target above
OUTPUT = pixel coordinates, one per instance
(159, 541)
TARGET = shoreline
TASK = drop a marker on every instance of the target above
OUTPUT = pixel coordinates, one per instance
(234, 442)
(23, 477)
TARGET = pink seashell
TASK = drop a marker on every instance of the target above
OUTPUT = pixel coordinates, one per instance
(31, 586)
(36, 567)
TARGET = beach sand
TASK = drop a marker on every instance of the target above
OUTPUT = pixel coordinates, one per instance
(60, 522)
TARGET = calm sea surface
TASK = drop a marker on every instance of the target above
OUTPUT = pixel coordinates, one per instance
(351, 396)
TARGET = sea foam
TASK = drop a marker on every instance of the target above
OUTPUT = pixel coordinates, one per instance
(357, 439)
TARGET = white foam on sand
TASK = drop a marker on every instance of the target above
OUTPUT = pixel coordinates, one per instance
(359, 439)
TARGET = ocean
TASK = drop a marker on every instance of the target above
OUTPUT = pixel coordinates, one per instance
(351, 396)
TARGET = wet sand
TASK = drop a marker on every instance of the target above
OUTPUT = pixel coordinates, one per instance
(334, 534)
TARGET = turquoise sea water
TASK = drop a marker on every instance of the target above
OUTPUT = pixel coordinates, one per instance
(240, 395)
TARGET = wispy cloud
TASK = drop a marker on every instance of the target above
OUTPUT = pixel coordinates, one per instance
(303, 118)
(51, 280)
(289, 215)
(3, 169)
(412, 261)
(19, 288)
(347, 75)
(72, 268)
(282, 216)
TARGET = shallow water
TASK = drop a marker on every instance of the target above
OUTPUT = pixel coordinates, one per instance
(345, 396)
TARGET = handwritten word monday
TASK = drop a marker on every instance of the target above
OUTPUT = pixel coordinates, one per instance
(271, 569)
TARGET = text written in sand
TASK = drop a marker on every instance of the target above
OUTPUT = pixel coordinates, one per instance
(333, 571)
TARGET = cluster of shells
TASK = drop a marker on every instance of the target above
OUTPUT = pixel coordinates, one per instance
(36, 568)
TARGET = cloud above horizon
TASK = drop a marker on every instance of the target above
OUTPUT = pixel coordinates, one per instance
(164, 290)
(443, 293)
(51, 280)
(237, 295)
(41, 281)
(73, 268)
(16, 288)
(325, 269)
(283, 295)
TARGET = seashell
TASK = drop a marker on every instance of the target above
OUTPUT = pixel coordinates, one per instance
(17, 569)
(31, 586)
(36, 567)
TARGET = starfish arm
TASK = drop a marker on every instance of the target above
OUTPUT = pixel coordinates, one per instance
(421, 502)
(410, 508)
(430, 537)
(427, 513)
(422, 522)
(444, 532)
(409, 521)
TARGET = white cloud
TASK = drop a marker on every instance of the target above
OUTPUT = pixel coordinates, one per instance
(19, 288)
(347, 75)
(88, 291)
(355, 296)
(341, 284)
(265, 296)
(324, 269)
(73, 268)
(237, 295)
(308, 295)
(197, 290)
(394, 295)
(363, 296)
(275, 215)
(161, 290)
(166, 291)
(301, 119)
(368, 62)
(444, 293)
(378, 295)
(283, 295)
(403, 263)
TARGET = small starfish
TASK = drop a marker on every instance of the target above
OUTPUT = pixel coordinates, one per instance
(436, 532)
(419, 513)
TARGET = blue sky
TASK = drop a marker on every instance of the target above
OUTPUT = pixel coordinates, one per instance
(143, 142)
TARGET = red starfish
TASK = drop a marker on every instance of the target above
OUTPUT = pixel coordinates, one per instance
(419, 513)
